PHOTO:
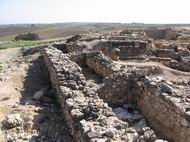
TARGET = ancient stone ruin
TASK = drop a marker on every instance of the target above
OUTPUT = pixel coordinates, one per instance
(123, 87)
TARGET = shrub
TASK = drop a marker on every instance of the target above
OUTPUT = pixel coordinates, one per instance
(27, 36)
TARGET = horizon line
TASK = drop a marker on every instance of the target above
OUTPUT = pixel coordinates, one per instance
(44, 23)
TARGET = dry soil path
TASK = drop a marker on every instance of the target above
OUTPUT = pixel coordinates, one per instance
(19, 80)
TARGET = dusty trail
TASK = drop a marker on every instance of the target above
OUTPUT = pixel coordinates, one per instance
(20, 78)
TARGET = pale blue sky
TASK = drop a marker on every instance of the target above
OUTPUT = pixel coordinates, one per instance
(52, 11)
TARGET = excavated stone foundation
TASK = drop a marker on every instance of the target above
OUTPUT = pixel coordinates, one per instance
(89, 118)
(107, 101)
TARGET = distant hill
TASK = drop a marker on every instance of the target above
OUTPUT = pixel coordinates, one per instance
(57, 30)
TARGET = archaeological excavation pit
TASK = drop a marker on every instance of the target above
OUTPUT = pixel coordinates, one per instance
(104, 100)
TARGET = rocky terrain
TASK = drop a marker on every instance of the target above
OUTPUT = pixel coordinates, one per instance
(117, 87)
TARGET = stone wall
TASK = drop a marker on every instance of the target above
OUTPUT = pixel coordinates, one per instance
(167, 34)
(61, 46)
(121, 88)
(165, 105)
(89, 118)
(127, 48)
(165, 53)
(71, 47)
(74, 47)
(159, 101)
(181, 66)
(100, 63)
(162, 104)
(166, 110)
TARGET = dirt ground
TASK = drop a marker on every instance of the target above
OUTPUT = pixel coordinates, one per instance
(166, 72)
(23, 74)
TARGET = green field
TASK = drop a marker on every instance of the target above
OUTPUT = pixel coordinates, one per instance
(12, 36)
(7, 37)
(26, 44)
